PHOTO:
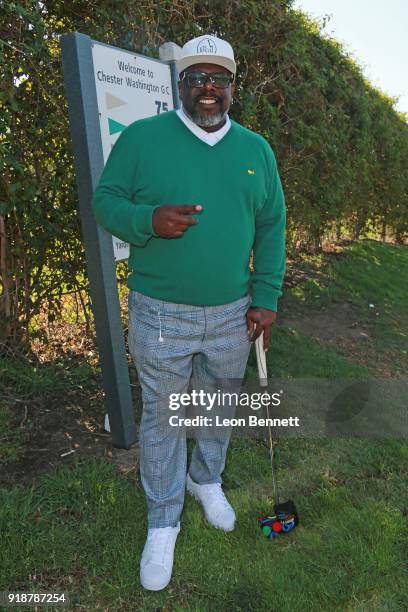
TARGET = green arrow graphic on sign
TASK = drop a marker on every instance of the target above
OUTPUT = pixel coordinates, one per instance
(115, 126)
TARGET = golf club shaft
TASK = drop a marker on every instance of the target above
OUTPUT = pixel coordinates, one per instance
(263, 382)
(261, 362)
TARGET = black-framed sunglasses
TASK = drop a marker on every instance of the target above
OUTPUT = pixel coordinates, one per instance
(198, 79)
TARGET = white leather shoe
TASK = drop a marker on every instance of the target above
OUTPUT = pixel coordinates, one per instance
(156, 563)
(217, 510)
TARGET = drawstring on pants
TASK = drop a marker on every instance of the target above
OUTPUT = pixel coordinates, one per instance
(160, 327)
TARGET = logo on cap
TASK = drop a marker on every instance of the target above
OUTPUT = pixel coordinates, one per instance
(206, 46)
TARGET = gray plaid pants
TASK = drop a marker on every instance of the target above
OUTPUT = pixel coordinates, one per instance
(177, 347)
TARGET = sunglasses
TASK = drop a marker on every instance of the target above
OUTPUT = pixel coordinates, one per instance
(198, 79)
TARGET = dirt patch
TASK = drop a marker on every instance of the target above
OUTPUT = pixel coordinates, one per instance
(60, 431)
(127, 462)
(343, 328)
(338, 322)
(60, 428)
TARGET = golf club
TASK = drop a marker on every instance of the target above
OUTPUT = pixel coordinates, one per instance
(286, 517)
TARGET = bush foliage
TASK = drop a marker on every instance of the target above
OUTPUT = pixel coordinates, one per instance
(341, 145)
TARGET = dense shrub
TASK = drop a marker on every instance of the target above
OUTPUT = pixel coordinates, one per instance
(340, 144)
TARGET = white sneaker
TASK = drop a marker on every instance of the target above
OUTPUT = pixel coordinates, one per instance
(156, 563)
(217, 510)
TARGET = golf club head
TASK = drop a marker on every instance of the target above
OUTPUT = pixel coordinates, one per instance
(286, 509)
(285, 519)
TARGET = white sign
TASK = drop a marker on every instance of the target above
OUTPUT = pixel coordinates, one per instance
(128, 87)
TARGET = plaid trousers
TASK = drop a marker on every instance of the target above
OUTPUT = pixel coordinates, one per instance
(176, 347)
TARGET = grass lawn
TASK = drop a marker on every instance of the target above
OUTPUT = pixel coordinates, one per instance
(81, 528)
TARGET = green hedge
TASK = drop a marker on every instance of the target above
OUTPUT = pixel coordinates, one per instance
(341, 145)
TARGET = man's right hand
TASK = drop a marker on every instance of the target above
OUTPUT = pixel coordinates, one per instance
(172, 221)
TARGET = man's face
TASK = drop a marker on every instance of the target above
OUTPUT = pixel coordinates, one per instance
(207, 105)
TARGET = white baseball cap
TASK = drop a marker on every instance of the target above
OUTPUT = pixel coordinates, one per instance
(207, 49)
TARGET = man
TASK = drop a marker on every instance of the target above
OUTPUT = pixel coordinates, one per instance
(193, 193)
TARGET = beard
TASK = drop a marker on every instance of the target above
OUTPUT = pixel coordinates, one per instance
(206, 120)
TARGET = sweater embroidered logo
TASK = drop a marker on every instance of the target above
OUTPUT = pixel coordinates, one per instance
(250, 171)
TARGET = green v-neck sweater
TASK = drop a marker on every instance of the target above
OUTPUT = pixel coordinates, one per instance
(159, 161)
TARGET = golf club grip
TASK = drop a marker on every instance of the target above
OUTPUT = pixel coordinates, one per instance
(261, 362)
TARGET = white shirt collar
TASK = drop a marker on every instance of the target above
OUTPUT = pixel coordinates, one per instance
(211, 138)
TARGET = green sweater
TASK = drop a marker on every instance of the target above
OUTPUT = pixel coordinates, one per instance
(160, 161)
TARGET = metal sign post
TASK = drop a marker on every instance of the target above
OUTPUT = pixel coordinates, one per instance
(107, 89)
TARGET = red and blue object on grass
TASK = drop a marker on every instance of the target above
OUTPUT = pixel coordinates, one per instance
(285, 520)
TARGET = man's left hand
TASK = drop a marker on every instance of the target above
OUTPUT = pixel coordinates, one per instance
(260, 320)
